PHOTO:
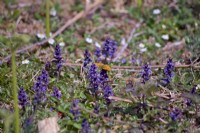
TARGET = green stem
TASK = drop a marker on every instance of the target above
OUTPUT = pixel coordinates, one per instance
(15, 93)
(139, 3)
(47, 19)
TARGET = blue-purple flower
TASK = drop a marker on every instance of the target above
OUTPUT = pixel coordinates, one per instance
(133, 59)
(123, 61)
(56, 93)
(42, 82)
(192, 92)
(97, 53)
(168, 72)
(96, 108)
(146, 73)
(87, 58)
(107, 93)
(28, 123)
(47, 65)
(58, 58)
(40, 87)
(85, 127)
(94, 78)
(75, 110)
(103, 76)
(109, 48)
(175, 114)
(22, 96)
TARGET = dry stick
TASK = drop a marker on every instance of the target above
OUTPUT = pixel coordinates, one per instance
(67, 24)
(120, 99)
(22, 5)
(128, 41)
(138, 67)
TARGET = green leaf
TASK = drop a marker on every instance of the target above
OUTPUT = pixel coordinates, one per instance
(76, 125)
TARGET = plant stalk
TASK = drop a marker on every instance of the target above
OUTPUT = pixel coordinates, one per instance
(15, 93)
(47, 19)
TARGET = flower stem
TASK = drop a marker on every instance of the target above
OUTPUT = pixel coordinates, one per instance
(47, 19)
(139, 3)
(15, 94)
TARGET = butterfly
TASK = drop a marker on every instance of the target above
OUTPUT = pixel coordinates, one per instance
(103, 66)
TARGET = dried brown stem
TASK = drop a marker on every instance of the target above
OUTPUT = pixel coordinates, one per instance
(124, 46)
(138, 67)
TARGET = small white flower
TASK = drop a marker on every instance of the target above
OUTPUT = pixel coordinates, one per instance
(143, 50)
(156, 11)
(141, 45)
(157, 45)
(97, 45)
(198, 86)
(62, 44)
(165, 37)
(89, 40)
(138, 61)
(53, 12)
(196, 24)
(25, 61)
(164, 26)
(51, 41)
(123, 41)
(41, 36)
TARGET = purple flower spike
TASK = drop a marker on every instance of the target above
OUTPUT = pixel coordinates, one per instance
(85, 127)
(87, 58)
(96, 108)
(168, 72)
(109, 48)
(22, 96)
(123, 61)
(133, 59)
(97, 53)
(74, 109)
(58, 59)
(107, 93)
(94, 78)
(192, 92)
(103, 76)
(40, 87)
(146, 73)
(47, 65)
(56, 93)
(175, 114)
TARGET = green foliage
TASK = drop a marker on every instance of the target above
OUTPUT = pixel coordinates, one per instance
(193, 43)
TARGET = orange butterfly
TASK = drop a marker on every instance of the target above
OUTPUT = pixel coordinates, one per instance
(103, 66)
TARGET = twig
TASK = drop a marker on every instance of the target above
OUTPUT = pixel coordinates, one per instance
(124, 43)
(120, 99)
(31, 47)
(133, 31)
(163, 121)
(162, 87)
(163, 96)
(139, 67)
(22, 5)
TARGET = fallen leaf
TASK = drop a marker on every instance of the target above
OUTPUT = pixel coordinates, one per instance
(174, 46)
(48, 125)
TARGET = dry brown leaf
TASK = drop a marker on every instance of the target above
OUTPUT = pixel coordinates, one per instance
(171, 46)
(48, 125)
(119, 6)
